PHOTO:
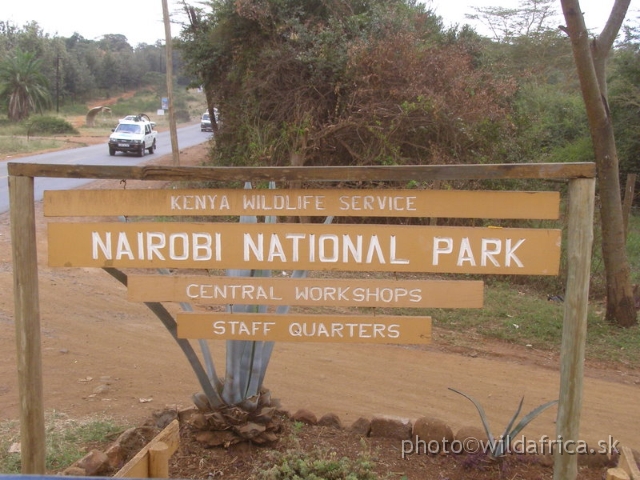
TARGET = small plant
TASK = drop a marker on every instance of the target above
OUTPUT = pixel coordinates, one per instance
(298, 426)
(498, 447)
(318, 465)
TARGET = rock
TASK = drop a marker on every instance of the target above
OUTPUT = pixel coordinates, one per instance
(361, 426)
(471, 439)
(432, 429)
(163, 418)
(101, 389)
(116, 455)
(74, 472)
(94, 463)
(305, 416)
(330, 420)
(391, 427)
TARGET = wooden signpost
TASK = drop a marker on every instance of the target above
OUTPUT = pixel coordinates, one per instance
(208, 246)
(352, 247)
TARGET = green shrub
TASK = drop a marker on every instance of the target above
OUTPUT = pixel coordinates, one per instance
(45, 125)
(182, 115)
(318, 465)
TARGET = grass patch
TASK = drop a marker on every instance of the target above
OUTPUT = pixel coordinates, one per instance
(66, 440)
(10, 145)
(528, 319)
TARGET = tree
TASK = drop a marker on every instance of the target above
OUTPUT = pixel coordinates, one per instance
(590, 59)
(624, 99)
(344, 83)
(530, 18)
(23, 87)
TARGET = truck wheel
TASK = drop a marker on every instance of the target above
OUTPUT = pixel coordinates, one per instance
(112, 151)
(142, 150)
(152, 148)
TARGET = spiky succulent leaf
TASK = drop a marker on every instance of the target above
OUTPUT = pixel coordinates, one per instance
(483, 416)
(530, 416)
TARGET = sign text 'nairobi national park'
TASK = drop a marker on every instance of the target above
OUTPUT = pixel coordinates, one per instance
(340, 247)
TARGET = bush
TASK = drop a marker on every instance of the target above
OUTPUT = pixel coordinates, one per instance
(44, 125)
(182, 115)
(318, 465)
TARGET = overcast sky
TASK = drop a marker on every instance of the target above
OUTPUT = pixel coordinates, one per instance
(141, 20)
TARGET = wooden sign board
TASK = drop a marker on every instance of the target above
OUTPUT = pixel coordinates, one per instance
(305, 247)
(208, 290)
(317, 202)
(305, 328)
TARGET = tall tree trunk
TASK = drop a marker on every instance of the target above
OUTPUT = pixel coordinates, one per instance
(590, 58)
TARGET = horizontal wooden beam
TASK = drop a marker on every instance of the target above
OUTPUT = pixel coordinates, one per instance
(287, 174)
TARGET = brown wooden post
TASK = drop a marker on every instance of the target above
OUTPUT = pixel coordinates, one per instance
(574, 332)
(159, 460)
(27, 323)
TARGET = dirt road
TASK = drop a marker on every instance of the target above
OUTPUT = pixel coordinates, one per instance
(105, 355)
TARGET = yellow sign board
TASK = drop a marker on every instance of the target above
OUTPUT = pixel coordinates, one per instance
(313, 202)
(391, 248)
(305, 328)
(210, 290)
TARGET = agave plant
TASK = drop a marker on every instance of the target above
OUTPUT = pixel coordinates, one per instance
(237, 402)
(499, 446)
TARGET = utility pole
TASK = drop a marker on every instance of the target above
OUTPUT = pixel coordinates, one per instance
(58, 83)
(169, 58)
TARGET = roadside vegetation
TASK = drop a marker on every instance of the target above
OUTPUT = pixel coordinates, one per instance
(68, 440)
(68, 129)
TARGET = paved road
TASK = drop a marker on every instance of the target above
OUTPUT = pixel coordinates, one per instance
(94, 155)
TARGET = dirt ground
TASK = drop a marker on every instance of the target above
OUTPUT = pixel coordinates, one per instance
(104, 355)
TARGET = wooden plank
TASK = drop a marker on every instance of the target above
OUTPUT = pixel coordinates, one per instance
(617, 474)
(210, 290)
(574, 330)
(27, 324)
(400, 330)
(312, 202)
(394, 248)
(417, 173)
(138, 466)
(627, 462)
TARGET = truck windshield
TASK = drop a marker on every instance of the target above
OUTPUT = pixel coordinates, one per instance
(128, 128)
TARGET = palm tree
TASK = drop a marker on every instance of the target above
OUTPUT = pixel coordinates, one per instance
(23, 87)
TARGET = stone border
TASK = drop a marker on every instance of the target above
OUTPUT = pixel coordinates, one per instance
(427, 429)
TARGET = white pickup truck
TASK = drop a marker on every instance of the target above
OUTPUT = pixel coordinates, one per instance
(133, 136)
